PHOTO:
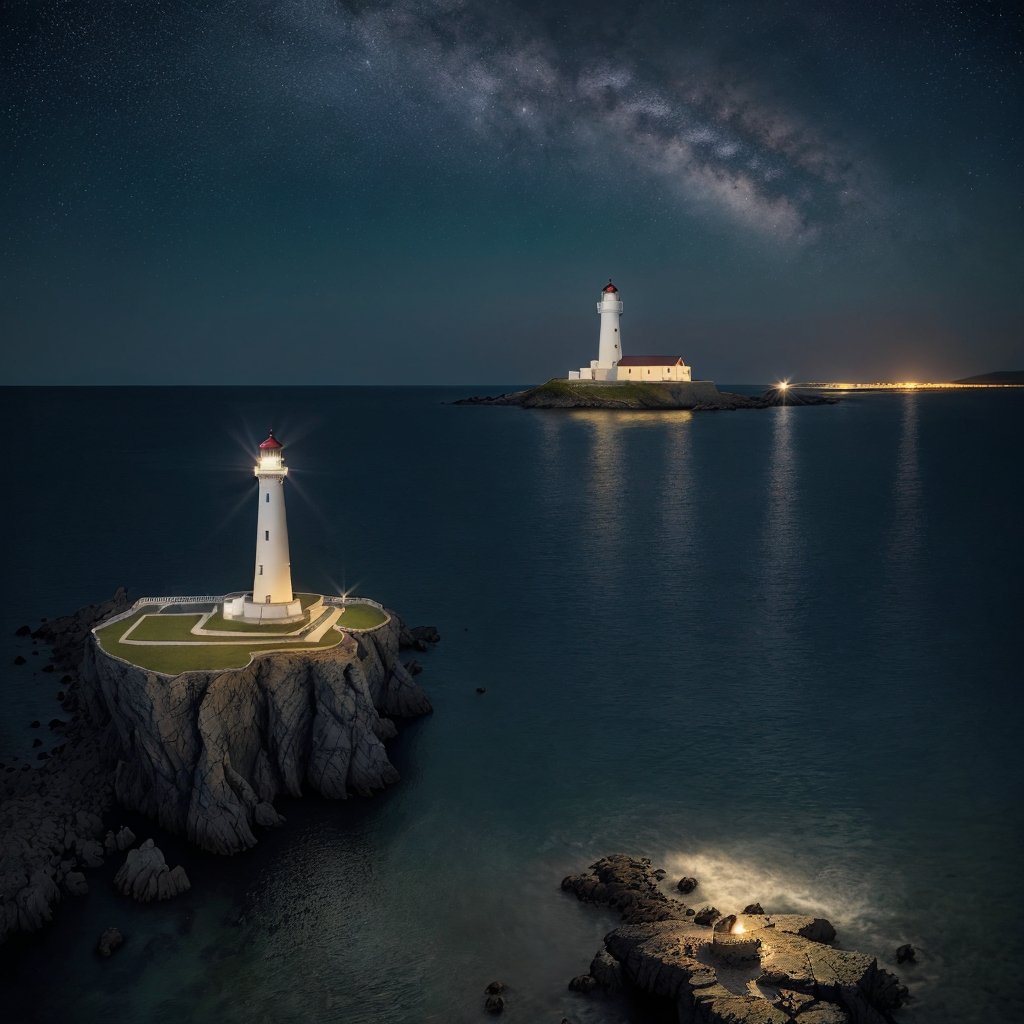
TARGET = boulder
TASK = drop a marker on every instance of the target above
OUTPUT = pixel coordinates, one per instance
(19, 660)
(110, 940)
(22, 631)
(429, 634)
(145, 875)
(906, 954)
(494, 1004)
(686, 885)
(90, 853)
(583, 983)
(495, 988)
(75, 884)
(606, 971)
(124, 839)
(753, 908)
(706, 915)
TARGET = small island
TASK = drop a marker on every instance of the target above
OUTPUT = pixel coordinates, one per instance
(698, 396)
(617, 381)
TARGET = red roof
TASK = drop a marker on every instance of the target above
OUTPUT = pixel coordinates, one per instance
(271, 442)
(650, 361)
(609, 287)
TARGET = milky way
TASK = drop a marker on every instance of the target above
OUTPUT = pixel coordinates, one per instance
(835, 185)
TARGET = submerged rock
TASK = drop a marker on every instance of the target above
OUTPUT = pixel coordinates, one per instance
(110, 940)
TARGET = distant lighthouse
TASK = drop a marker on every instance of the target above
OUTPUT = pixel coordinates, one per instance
(609, 349)
(612, 365)
(272, 596)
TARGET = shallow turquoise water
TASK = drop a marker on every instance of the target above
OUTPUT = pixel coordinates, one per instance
(773, 649)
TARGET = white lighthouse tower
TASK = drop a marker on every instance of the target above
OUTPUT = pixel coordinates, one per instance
(272, 597)
(609, 347)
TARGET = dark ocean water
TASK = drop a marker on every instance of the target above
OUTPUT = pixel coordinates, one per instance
(775, 649)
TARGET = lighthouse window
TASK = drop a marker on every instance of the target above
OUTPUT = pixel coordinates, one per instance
(261, 570)
(267, 498)
(266, 535)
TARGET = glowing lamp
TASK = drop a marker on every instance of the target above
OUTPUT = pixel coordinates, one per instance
(734, 943)
(783, 385)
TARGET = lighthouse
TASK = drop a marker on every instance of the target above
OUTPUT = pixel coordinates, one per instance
(272, 597)
(612, 365)
(609, 348)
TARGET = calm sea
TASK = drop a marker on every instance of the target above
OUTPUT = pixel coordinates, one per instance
(778, 650)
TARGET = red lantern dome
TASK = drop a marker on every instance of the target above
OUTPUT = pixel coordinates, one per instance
(271, 443)
(609, 288)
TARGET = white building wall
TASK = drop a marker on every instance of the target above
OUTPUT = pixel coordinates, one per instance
(654, 373)
(272, 579)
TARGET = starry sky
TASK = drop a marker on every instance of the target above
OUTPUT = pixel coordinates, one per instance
(434, 191)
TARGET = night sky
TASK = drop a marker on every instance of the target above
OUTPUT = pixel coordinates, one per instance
(430, 192)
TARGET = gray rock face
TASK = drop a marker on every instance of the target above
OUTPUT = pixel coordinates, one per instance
(75, 884)
(145, 875)
(124, 839)
(206, 753)
(659, 950)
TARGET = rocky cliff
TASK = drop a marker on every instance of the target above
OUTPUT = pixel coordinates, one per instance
(203, 753)
(206, 753)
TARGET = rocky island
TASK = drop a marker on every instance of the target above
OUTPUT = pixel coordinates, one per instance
(699, 396)
(203, 753)
(749, 968)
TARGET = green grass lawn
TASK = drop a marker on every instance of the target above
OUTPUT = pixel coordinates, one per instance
(213, 654)
(165, 627)
(361, 616)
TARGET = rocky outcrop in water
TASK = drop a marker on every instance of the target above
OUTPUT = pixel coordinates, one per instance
(145, 876)
(659, 950)
(205, 754)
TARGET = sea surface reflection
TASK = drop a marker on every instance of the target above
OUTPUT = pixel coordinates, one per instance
(774, 649)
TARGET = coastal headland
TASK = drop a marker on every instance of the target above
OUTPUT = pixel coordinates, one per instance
(716, 968)
(202, 752)
(698, 395)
